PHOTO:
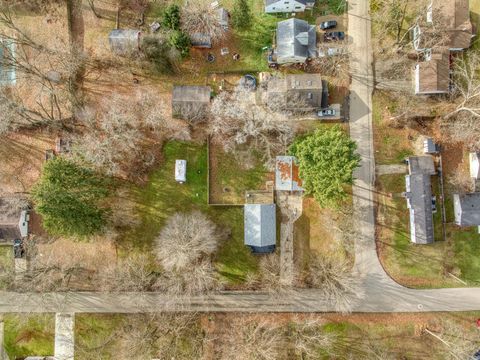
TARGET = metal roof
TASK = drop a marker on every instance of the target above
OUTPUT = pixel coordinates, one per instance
(260, 225)
(286, 174)
(467, 209)
(419, 203)
(295, 38)
(124, 40)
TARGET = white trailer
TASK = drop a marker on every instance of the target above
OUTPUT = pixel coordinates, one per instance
(181, 171)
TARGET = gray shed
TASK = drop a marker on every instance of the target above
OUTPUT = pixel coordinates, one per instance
(260, 227)
(14, 219)
(124, 41)
(7, 68)
(190, 101)
(223, 17)
(296, 41)
(467, 209)
(200, 40)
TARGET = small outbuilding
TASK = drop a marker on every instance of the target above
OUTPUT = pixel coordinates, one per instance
(14, 219)
(223, 17)
(181, 171)
(286, 174)
(124, 41)
(429, 146)
(190, 102)
(467, 209)
(202, 41)
(474, 165)
(260, 227)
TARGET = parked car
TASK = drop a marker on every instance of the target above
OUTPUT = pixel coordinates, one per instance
(330, 24)
(18, 249)
(334, 36)
(434, 204)
(326, 112)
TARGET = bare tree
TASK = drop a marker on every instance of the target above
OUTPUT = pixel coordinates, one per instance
(185, 239)
(199, 17)
(309, 338)
(237, 121)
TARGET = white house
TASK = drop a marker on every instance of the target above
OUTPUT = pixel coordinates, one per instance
(287, 6)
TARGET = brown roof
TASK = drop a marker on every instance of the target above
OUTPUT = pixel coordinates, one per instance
(456, 16)
(433, 76)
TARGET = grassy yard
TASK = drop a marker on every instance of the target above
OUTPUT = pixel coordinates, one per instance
(162, 196)
(6, 260)
(422, 266)
(29, 335)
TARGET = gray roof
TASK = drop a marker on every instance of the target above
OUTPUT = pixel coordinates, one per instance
(419, 202)
(201, 40)
(223, 16)
(13, 219)
(260, 225)
(297, 38)
(124, 40)
(191, 94)
(467, 209)
(421, 165)
(7, 65)
(296, 89)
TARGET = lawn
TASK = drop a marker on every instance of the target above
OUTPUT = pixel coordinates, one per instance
(422, 266)
(162, 196)
(29, 335)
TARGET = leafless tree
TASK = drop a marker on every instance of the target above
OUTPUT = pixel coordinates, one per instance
(237, 121)
(333, 278)
(336, 67)
(199, 17)
(185, 239)
(308, 338)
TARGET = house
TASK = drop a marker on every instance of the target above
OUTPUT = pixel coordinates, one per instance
(260, 227)
(190, 102)
(295, 92)
(474, 165)
(296, 41)
(181, 171)
(451, 15)
(433, 76)
(467, 209)
(419, 198)
(286, 174)
(204, 41)
(13, 219)
(288, 6)
(123, 42)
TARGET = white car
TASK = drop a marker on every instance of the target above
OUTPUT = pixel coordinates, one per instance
(326, 112)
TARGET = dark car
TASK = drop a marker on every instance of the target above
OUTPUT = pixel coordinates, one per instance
(18, 249)
(328, 24)
(334, 36)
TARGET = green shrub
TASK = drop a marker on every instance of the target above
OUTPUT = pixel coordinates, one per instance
(171, 17)
(180, 41)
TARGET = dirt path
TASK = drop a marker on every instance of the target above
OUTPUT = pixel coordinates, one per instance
(291, 206)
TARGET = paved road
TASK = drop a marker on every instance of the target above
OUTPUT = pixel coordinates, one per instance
(381, 293)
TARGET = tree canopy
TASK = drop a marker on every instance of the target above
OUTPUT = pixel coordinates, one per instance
(327, 159)
(69, 198)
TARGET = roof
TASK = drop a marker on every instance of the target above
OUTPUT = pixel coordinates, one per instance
(421, 165)
(124, 40)
(429, 146)
(455, 14)
(467, 209)
(201, 40)
(294, 87)
(286, 174)
(433, 76)
(419, 203)
(191, 94)
(295, 38)
(271, 2)
(260, 226)
(474, 158)
(223, 16)
(13, 219)
(7, 68)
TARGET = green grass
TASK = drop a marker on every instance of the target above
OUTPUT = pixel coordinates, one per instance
(29, 335)
(162, 196)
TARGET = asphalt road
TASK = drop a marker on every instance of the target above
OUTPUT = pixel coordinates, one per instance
(380, 292)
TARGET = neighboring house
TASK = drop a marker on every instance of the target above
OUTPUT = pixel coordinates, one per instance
(295, 91)
(190, 102)
(419, 198)
(287, 6)
(260, 227)
(286, 174)
(296, 41)
(204, 41)
(467, 209)
(13, 220)
(453, 17)
(433, 76)
(125, 41)
(474, 158)
(7, 68)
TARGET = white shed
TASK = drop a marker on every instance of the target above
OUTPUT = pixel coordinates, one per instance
(181, 171)
(474, 165)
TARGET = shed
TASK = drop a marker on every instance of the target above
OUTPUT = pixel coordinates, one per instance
(260, 227)
(223, 17)
(7, 67)
(124, 41)
(296, 41)
(429, 146)
(474, 165)
(286, 174)
(467, 209)
(190, 102)
(181, 171)
(200, 40)
(13, 219)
